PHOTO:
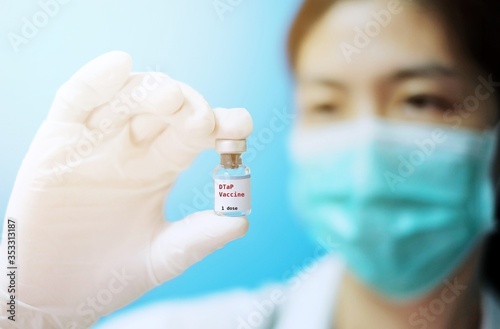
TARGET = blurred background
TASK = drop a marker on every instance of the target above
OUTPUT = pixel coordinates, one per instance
(232, 51)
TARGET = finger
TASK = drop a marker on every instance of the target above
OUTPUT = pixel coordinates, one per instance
(195, 119)
(180, 244)
(145, 127)
(235, 123)
(151, 92)
(189, 132)
(93, 85)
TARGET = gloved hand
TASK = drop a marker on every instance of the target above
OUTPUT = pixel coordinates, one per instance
(88, 199)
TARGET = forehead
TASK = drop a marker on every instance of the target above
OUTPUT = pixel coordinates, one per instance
(370, 37)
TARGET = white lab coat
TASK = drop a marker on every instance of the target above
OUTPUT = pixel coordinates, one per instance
(307, 301)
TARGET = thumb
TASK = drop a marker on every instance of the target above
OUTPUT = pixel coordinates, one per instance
(181, 244)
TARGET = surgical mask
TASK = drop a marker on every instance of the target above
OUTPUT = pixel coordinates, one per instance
(405, 204)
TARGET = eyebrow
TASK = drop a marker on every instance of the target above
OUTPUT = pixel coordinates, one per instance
(422, 71)
(327, 82)
(425, 71)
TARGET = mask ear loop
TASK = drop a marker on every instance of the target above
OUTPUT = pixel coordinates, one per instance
(489, 271)
(496, 174)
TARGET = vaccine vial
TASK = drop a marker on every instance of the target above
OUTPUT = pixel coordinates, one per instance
(231, 180)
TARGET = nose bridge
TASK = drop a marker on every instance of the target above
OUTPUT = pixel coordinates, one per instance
(367, 105)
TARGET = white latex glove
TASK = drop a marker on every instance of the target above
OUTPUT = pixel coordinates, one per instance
(88, 199)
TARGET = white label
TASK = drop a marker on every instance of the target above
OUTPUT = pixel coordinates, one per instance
(232, 194)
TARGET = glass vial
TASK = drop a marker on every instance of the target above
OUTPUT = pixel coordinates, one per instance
(231, 180)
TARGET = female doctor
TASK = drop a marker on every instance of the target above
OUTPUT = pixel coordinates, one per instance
(393, 152)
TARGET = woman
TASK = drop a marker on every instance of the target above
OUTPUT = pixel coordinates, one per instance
(393, 148)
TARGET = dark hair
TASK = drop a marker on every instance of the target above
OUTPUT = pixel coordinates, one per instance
(475, 24)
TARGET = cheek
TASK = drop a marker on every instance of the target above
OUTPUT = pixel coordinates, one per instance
(300, 105)
(481, 106)
(300, 98)
(477, 112)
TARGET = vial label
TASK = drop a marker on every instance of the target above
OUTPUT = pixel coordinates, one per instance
(232, 194)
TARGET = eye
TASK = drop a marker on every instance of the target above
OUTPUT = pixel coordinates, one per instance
(324, 108)
(429, 103)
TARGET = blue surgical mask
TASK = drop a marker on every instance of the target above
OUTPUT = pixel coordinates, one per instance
(404, 203)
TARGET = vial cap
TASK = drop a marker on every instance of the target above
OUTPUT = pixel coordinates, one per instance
(230, 146)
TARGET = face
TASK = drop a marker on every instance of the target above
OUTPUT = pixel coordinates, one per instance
(404, 68)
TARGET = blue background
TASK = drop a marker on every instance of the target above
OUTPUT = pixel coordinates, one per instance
(237, 60)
